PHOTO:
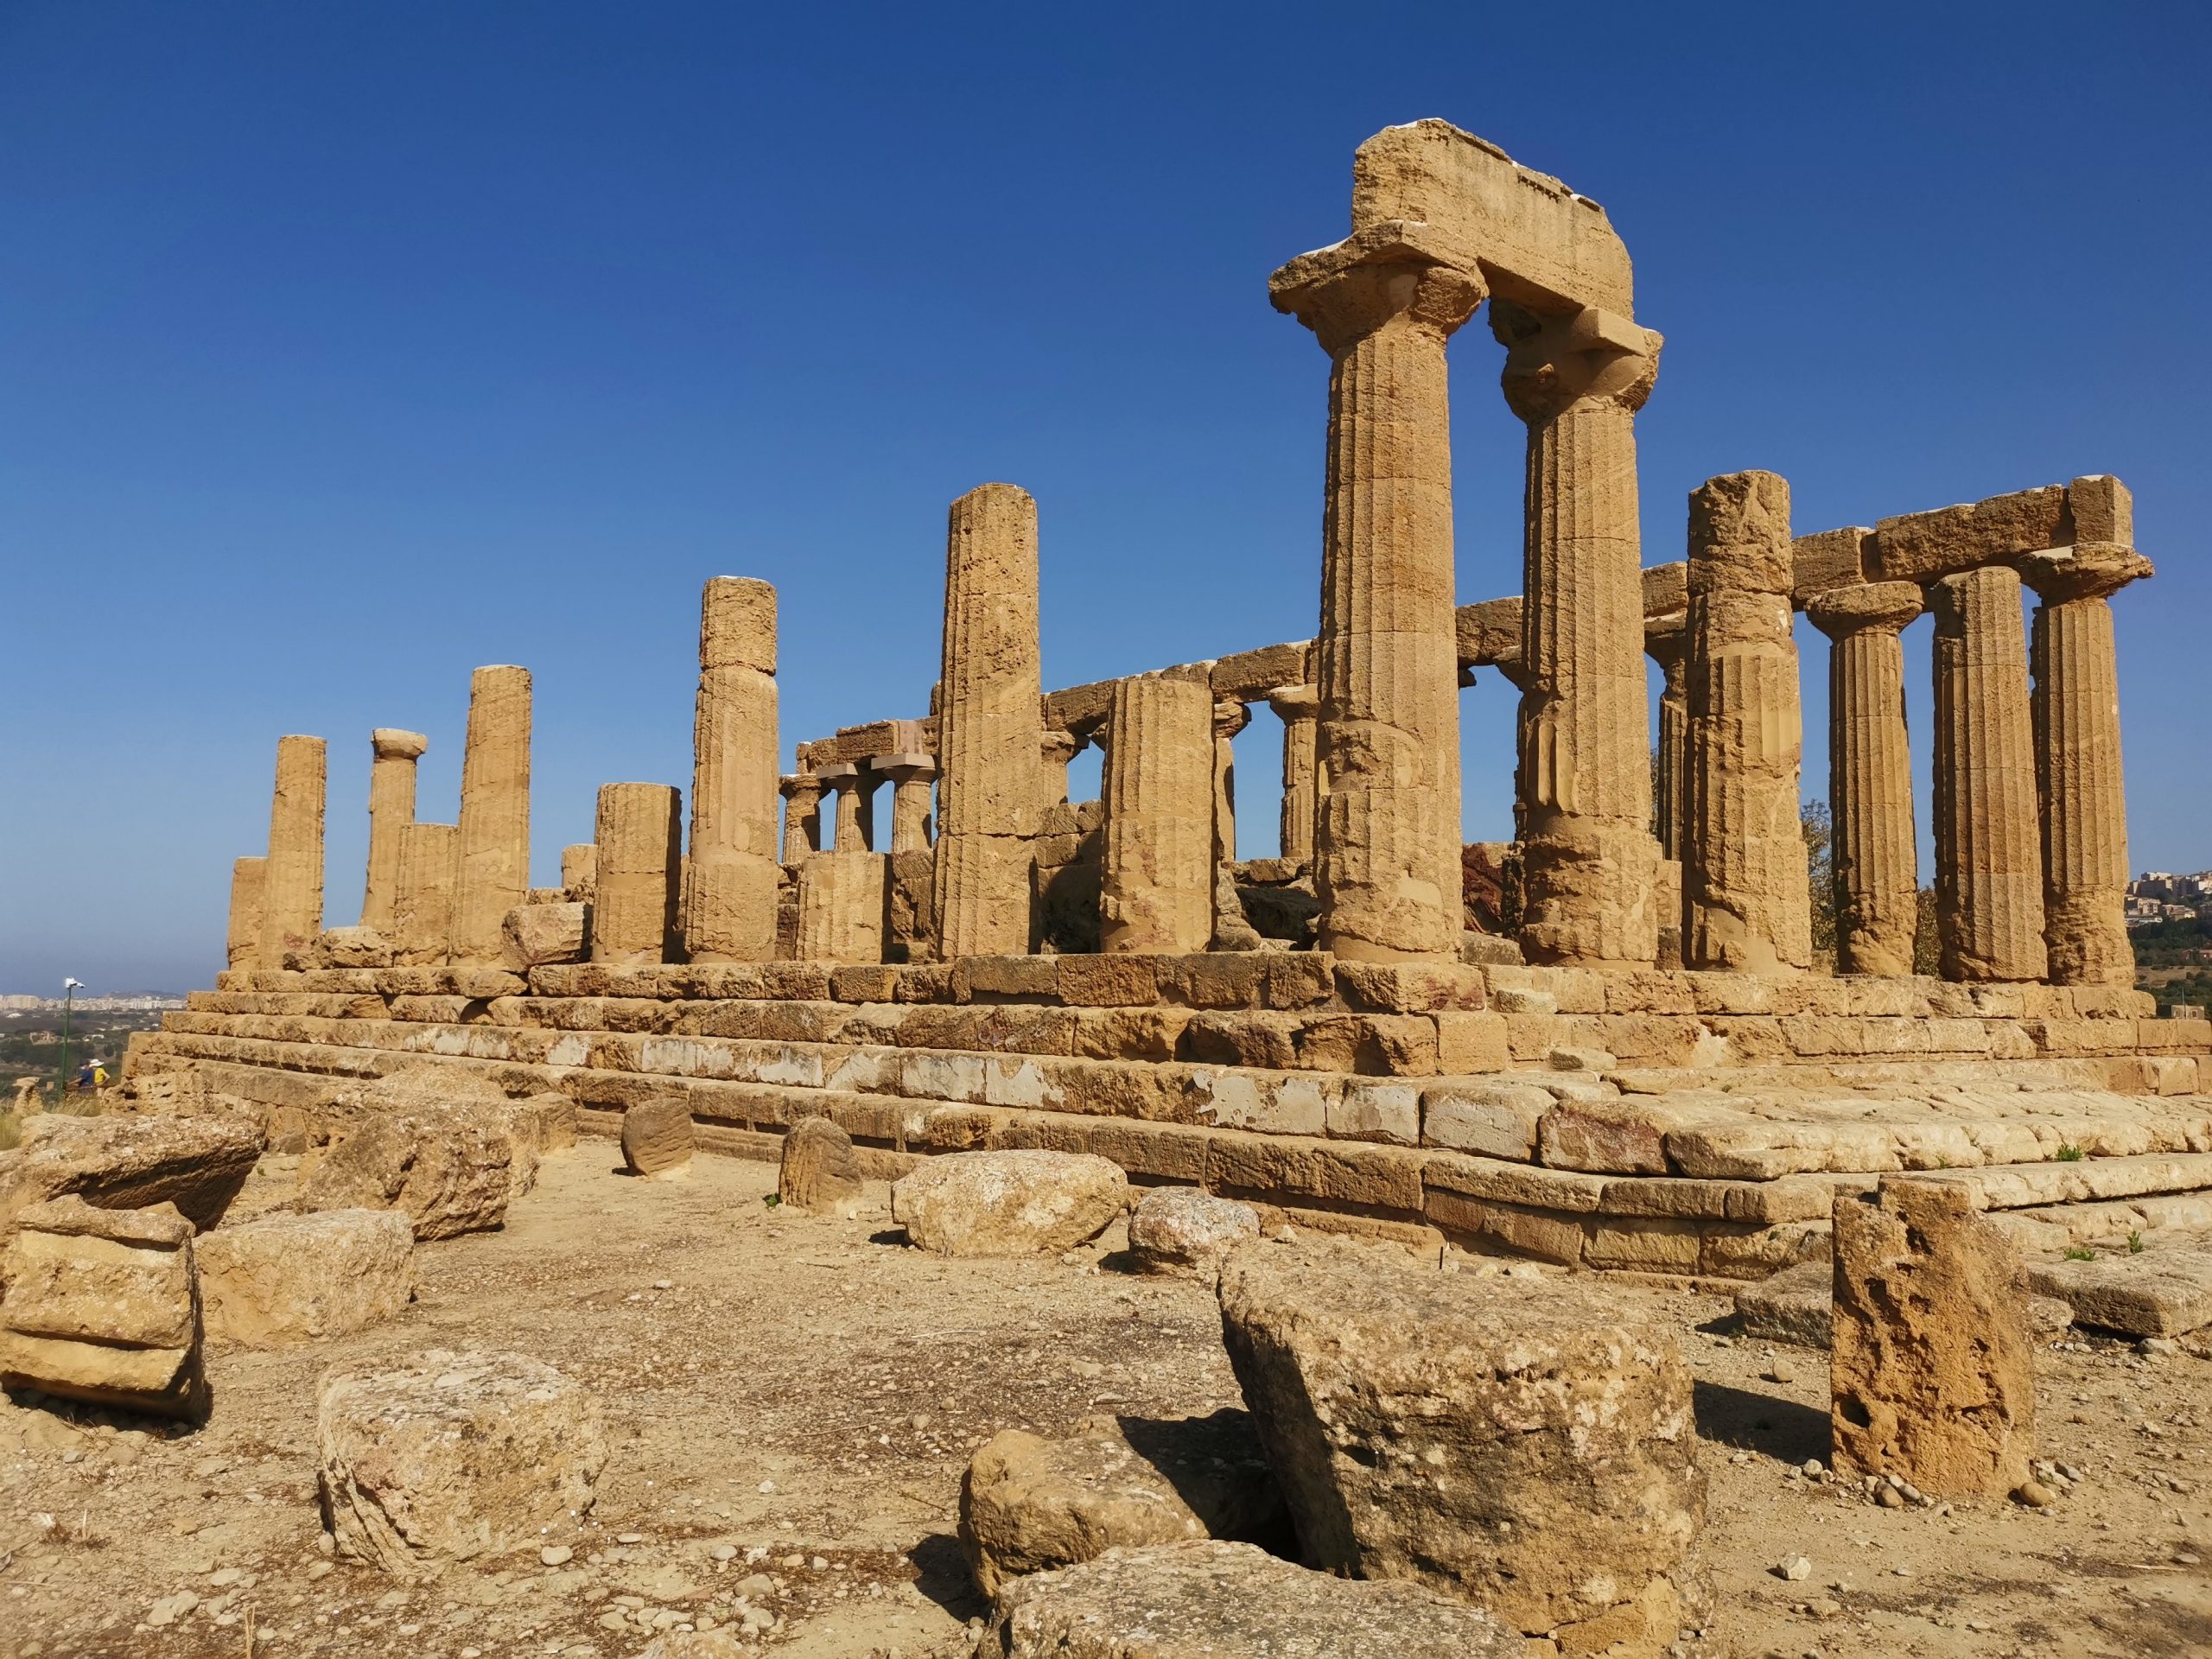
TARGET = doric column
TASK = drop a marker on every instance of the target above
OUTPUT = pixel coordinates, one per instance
(843, 780)
(1870, 775)
(802, 793)
(2077, 760)
(291, 891)
(1157, 889)
(1988, 850)
(911, 776)
(729, 880)
(1299, 708)
(1746, 906)
(1588, 853)
(392, 808)
(1230, 717)
(429, 864)
(242, 941)
(1055, 750)
(640, 840)
(842, 897)
(1668, 646)
(494, 874)
(988, 726)
(1382, 305)
(580, 872)
(1514, 672)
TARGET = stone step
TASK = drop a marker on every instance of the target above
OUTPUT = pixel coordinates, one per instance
(2164, 1290)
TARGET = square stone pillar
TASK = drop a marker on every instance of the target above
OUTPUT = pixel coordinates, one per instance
(990, 730)
(1157, 887)
(1299, 708)
(392, 808)
(1382, 304)
(429, 869)
(291, 894)
(802, 793)
(640, 841)
(730, 877)
(494, 875)
(242, 940)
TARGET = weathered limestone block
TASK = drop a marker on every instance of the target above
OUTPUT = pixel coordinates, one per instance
(1933, 1372)
(392, 809)
(291, 894)
(1746, 904)
(1515, 1442)
(1923, 547)
(281, 1280)
(1008, 1203)
(818, 1170)
(989, 793)
(802, 793)
(1029, 1505)
(101, 1305)
(442, 1149)
(242, 939)
(843, 906)
(639, 836)
(1186, 1229)
(580, 872)
(1797, 1306)
(451, 1456)
(1382, 304)
(1870, 775)
(491, 869)
(1156, 893)
(657, 1139)
(130, 1162)
(1206, 1599)
(429, 869)
(533, 936)
(2166, 1291)
(729, 893)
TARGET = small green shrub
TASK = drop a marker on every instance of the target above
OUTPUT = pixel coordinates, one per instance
(2135, 1244)
(2075, 1253)
(2069, 1153)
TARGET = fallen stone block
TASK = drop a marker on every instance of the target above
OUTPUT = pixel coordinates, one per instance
(1185, 1229)
(451, 1456)
(282, 1279)
(2165, 1292)
(353, 947)
(537, 935)
(1029, 1504)
(1797, 1306)
(818, 1170)
(101, 1305)
(1526, 1444)
(657, 1139)
(1206, 1599)
(131, 1162)
(1008, 1203)
(419, 1142)
(695, 1644)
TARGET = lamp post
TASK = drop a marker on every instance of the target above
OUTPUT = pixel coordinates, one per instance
(69, 989)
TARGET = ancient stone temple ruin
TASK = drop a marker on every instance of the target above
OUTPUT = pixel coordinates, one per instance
(1650, 1072)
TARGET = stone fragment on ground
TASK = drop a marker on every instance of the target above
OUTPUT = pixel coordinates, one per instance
(1933, 1366)
(1526, 1444)
(1188, 1230)
(449, 1456)
(692, 1645)
(2166, 1291)
(818, 1170)
(443, 1148)
(131, 1161)
(101, 1305)
(1029, 1504)
(282, 1279)
(1206, 1599)
(657, 1139)
(1008, 1203)
(1797, 1306)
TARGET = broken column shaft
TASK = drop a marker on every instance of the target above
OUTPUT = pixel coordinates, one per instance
(640, 841)
(802, 793)
(1299, 708)
(429, 864)
(494, 870)
(1157, 889)
(242, 941)
(291, 894)
(392, 808)
(729, 880)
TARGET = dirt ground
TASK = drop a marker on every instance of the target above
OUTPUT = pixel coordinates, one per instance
(798, 1396)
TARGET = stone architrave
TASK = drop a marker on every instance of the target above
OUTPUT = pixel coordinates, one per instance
(1055, 750)
(988, 726)
(1746, 904)
(1156, 891)
(1870, 775)
(291, 892)
(843, 779)
(843, 900)
(493, 876)
(242, 940)
(2078, 774)
(392, 808)
(1588, 855)
(430, 865)
(580, 872)
(912, 778)
(1299, 708)
(1382, 303)
(1668, 643)
(802, 793)
(640, 841)
(1988, 846)
(730, 877)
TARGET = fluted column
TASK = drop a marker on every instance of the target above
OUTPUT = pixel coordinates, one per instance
(1230, 717)
(429, 864)
(1746, 906)
(729, 878)
(1055, 750)
(291, 892)
(494, 875)
(1383, 304)
(1588, 856)
(802, 793)
(1876, 852)
(392, 808)
(843, 906)
(640, 834)
(2078, 774)
(1157, 889)
(1668, 646)
(1988, 848)
(1299, 708)
(988, 726)
(843, 779)
(242, 940)
(912, 777)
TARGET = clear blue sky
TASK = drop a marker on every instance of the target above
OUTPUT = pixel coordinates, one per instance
(345, 346)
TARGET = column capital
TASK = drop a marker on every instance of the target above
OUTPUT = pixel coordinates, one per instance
(1883, 607)
(1553, 362)
(799, 784)
(2089, 570)
(1058, 745)
(1667, 641)
(1400, 268)
(904, 768)
(839, 774)
(388, 743)
(1295, 701)
(1230, 717)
